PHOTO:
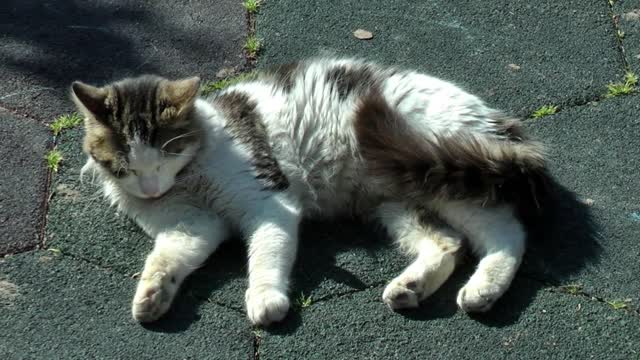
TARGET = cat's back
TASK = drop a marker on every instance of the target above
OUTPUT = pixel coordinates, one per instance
(304, 113)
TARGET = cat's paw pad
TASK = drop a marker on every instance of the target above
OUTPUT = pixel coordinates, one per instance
(266, 305)
(402, 294)
(153, 297)
(478, 298)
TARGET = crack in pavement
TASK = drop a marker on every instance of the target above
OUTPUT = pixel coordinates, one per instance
(579, 292)
(615, 21)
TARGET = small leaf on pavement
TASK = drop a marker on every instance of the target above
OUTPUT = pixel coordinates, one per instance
(363, 34)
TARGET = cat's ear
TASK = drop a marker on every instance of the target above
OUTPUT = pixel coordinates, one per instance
(90, 100)
(181, 94)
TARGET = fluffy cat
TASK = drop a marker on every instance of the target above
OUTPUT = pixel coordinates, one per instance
(431, 163)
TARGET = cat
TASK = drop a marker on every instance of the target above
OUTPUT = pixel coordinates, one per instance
(435, 166)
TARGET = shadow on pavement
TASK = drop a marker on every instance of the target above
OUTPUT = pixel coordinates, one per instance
(48, 44)
(62, 41)
(562, 242)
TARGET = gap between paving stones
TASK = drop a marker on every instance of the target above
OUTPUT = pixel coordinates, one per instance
(596, 99)
(592, 298)
(555, 287)
(99, 266)
(616, 29)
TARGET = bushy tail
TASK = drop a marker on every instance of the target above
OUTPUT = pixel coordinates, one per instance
(461, 166)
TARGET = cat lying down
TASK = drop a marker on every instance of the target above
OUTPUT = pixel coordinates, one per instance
(323, 137)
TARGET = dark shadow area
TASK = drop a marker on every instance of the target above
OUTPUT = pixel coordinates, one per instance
(48, 44)
(442, 304)
(562, 241)
(320, 243)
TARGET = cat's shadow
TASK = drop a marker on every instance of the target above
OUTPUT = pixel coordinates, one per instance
(561, 242)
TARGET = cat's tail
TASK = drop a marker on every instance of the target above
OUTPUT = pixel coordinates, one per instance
(406, 162)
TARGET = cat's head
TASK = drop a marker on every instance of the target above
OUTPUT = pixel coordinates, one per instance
(140, 130)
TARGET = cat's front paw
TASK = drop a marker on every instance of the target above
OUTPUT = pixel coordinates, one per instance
(153, 297)
(266, 305)
(478, 296)
(403, 293)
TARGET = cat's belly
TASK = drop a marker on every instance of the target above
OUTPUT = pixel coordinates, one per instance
(324, 171)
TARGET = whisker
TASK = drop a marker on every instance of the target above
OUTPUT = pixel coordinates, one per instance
(179, 137)
(170, 153)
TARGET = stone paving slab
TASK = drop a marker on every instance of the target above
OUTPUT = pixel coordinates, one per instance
(627, 14)
(594, 150)
(516, 55)
(554, 326)
(48, 44)
(56, 307)
(23, 181)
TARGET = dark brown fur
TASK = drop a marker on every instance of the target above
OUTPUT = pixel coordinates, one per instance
(348, 80)
(283, 75)
(245, 125)
(463, 166)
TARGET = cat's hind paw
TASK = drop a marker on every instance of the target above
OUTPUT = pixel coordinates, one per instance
(153, 297)
(478, 297)
(402, 294)
(266, 305)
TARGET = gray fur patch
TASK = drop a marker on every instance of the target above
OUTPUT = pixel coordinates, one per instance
(245, 126)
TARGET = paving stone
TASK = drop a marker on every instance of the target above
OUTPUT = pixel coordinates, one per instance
(24, 143)
(553, 326)
(594, 151)
(517, 55)
(54, 306)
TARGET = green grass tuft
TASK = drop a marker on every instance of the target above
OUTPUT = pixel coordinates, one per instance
(252, 46)
(631, 78)
(66, 121)
(623, 88)
(303, 302)
(53, 158)
(252, 5)
(573, 289)
(617, 304)
(545, 111)
(257, 332)
(212, 86)
(56, 252)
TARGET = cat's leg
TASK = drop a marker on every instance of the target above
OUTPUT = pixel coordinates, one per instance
(273, 244)
(435, 245)
(498, 238)
(184, 238)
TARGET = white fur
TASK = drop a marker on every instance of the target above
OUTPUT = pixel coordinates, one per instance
(435, 250)
(498, 238)
(312, 136)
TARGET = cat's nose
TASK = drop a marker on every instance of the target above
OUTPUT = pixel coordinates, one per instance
(150, 186)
